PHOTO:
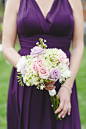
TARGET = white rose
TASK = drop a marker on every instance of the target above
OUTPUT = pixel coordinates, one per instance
(63, 66)
(61, 79)
(21, 63)
(66, 73)
(52, 92)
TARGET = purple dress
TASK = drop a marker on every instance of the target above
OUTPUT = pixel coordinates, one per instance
(28, 107)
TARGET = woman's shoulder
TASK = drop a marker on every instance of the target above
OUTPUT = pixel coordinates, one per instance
(76, 5)
(12, 5)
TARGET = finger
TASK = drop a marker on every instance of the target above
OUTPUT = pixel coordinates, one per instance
(53, 82)
(53, 87)
(61, 105)
(49, 88)
(50, 85)
(64, 111)
(69, 109)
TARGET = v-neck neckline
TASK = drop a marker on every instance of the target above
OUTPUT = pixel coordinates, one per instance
(39, 8)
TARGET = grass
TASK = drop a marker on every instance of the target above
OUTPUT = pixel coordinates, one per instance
(5, 71)
(81, 87)
(1, 10)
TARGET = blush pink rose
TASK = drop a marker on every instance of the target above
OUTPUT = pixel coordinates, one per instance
(34, 66)
(61, 56)
(40, 62)
(43, 72)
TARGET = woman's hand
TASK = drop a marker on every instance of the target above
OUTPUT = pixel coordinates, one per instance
(49, 85)
(64, 97)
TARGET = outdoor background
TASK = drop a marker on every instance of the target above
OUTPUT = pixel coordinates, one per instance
(6, 67)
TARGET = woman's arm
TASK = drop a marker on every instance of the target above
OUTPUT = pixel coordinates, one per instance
(75, 60)
(10, 32)
(77, 42)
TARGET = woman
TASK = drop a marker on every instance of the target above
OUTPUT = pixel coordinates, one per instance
(59, 22)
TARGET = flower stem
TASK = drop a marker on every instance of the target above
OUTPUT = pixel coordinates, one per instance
(55, 103)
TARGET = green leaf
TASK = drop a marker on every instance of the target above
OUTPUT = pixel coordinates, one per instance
(19, 73)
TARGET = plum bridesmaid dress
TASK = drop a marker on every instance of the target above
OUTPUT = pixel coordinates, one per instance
(28, 107)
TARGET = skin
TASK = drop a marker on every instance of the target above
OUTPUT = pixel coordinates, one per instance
(9, 38)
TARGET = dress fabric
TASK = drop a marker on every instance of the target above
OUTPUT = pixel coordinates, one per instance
(28, 107)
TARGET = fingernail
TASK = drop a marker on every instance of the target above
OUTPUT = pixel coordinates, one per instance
(59, 116)
(68, 113)
(62, 116)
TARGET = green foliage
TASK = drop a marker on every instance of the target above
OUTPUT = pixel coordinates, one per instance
(5, 73)
(42, 43)
(20, 79)
(1, 27)
(1, 10)
(81, 88)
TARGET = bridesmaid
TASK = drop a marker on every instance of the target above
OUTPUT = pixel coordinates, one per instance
(9, 38)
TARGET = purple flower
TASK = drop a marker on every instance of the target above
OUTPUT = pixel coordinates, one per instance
(54, 74)
(23, 71)
(36, 51)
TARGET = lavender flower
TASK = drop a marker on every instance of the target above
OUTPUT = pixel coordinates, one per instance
(23, 71)
(54, 74)
(36, 51)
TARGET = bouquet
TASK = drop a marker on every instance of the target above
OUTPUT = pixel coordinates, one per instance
(44, 65)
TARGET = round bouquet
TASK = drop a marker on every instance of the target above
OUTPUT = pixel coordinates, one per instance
(44, 65)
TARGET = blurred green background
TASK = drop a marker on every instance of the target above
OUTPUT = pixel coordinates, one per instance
(5, 72)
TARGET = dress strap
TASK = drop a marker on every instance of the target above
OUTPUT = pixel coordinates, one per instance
(71, 5)
(21, 5)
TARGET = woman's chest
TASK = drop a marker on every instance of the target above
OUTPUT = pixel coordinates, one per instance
(59, 20)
